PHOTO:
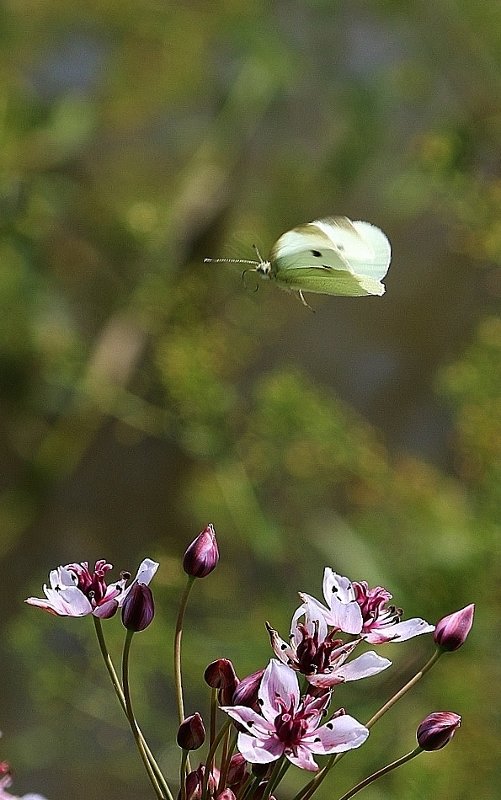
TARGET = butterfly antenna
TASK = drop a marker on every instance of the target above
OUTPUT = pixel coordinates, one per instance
(231, 261)
(254, 247)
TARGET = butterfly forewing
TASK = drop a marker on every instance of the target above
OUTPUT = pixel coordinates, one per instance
(304, 247)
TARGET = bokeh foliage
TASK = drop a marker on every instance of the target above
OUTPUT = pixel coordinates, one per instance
(144, 393)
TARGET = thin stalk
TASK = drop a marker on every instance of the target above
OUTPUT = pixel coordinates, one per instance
(119, 692)
(132, 720)
(178, 678)
(417, 677)
(380, 772)
(276, 776)
(213, 712)
(227, 752)
(251, 783)
(182, 774)
(210, 757)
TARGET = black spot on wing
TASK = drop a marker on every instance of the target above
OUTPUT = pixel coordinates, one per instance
(316, 253)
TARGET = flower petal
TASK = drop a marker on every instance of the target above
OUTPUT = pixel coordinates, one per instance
(279, 683)
(302, 758)
(70, 602)
(314, 620)
(257, 751)
(361, 667)
(145, 573)
(253, 722)
(336, 736)
(399, 632)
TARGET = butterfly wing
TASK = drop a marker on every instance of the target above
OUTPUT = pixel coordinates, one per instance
(326, 280)
(320, 257)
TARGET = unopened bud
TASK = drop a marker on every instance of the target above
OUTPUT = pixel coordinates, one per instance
(226, 794)
(195, 782)
(138, 608)
(237, 771)
(220, 674)
(191, 733)
(451, 631)
(202, 555)
(437, 729)
(246, 693)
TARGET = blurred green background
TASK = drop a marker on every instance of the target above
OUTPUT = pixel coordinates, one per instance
(144, 393)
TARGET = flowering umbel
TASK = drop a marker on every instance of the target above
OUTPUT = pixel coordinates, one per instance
(276, 720)
(202, 556)
(437, 729)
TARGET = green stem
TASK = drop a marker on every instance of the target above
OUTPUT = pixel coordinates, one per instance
(380, 772)
(391, 702)
(132, 720)
(121, 697)
(276, 776)
(227, 752)
(210, 757)
(213, 712)
(311, 787)
(178, 678)
(182, 774)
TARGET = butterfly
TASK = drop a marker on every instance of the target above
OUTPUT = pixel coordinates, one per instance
(328, 256)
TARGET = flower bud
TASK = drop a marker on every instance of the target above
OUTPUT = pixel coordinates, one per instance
(247, 690)
(202, 555)
(226, 794)
(451, 631)
(138, 608)
(191, 733)
(220, 674)
(195, 781)
(437, 729)
(237, 770)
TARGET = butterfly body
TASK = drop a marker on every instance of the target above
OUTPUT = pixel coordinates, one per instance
(329, 256)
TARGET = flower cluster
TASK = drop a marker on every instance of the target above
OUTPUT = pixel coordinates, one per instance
(283, 713)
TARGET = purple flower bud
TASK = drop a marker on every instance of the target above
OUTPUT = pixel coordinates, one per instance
(138, 608)
(437, 729)
(194, 784)
(226, 794)
(191, 733)
(237, 770)
(451, 631)
(202, 555)
(246, 692)
(220, 674)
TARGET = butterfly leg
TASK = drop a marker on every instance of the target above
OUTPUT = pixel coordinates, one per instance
(301, 297)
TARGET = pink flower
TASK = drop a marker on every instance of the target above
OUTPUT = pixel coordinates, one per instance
(315, 652)
(381, 622)
(290, 726)
(74, 591)
(356, 609)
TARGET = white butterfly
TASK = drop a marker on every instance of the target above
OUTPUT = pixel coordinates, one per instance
(327, 256)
